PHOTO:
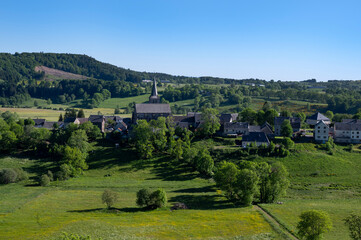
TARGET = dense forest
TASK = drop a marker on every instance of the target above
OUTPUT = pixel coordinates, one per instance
(19, 82)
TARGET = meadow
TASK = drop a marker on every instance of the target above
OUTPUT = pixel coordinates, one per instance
(29, 211)
(320, 181)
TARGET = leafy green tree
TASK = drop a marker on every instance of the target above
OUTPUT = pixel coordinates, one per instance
(286, 128)
(75, 159)
(158, 128)
(204, 162)
(353, 222)
(109, 197)
(273, 181)
(29, 121)
(210, 123)
(226, 177)
(142, 134)
(248, 115)
(92, 131)
(178, 150)
(143, 197)
(301, 115)
(329, 114)
(158, 199)
(7, 141)
(152, 200)
(36, 103)
(288, 143)
(81, 114)
(79, 140)
(313, 224)
(10, 117)
(246, 186)
(60, 118)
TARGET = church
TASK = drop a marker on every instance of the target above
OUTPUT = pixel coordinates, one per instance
(153, 109)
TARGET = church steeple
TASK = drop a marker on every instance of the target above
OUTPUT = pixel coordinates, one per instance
(154, 98)
(154, 89)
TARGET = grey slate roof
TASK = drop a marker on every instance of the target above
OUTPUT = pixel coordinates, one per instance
(295, 121)
(318, 116)
(255, 137)
(183, 119)
(152, 108)
(228, 117)
(348, 126)
(96, 118)
(39, 121)
(253, 128)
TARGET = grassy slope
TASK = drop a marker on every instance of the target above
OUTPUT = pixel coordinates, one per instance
(323, 182)
(75, 206)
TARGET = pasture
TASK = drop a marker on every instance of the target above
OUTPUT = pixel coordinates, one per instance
(29, 211)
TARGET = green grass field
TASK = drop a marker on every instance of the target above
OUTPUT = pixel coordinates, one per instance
(28, 211)
(320, 181)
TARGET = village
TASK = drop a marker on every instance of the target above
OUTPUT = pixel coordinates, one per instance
(320, 130)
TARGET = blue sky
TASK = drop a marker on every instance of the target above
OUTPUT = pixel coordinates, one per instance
(280, 40)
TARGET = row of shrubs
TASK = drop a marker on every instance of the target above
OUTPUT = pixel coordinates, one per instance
(12, 175)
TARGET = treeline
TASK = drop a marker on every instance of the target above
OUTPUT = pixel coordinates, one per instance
(68, 147)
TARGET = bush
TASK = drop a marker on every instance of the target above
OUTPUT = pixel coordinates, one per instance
(158, 199)
(353, 222)
(154, 200)
(21, 174)
(44, 180)
(143, 197)
(64, 173)
(50, 175)
(8, 175)
(109, 197)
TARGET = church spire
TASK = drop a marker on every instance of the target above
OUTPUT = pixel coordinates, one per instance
(154, 89)
(154, 98)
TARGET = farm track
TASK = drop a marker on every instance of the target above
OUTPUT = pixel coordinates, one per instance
(274, 221)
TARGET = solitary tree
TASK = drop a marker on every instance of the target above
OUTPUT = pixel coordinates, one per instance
(109, 197)
(353, 222)
(313, 224)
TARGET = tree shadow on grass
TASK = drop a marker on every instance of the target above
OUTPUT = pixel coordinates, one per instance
(108, 157)
(203, 202)
(168, 170)
(111, 210)
(205, 189)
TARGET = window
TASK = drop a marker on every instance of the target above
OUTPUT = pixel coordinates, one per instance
(318, 131)
(324, 136)
(324, 131)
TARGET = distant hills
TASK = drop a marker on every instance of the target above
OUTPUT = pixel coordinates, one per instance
(25, 67)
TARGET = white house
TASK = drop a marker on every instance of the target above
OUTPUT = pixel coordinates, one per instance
(321, 132)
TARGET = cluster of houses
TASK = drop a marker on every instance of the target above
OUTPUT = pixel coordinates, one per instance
(347, 131)
(104, 123)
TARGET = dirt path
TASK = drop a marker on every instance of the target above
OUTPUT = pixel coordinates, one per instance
(274, 221)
